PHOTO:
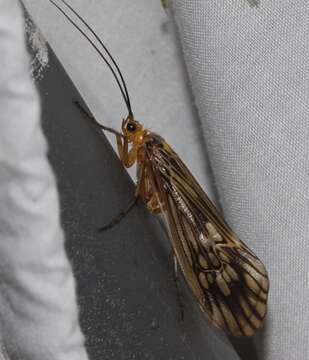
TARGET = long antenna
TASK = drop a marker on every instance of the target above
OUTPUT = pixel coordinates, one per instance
(104, 47)
(123, 89)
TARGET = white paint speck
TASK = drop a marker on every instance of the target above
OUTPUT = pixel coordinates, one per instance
(38, 50)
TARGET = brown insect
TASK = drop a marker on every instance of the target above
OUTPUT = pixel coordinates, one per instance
(228, 280)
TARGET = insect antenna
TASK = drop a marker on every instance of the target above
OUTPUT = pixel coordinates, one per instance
(121, 83)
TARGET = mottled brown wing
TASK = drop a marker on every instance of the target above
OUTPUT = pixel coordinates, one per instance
(228, 280)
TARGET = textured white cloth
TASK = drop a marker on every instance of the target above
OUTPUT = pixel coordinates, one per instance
(250, 76)
(249, 72)
(38, 312)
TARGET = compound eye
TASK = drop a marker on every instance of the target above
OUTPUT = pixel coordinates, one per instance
(131, 126)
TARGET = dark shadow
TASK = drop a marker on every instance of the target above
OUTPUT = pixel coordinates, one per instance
(245, 348)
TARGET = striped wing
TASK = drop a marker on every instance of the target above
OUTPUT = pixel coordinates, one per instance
(228, 280)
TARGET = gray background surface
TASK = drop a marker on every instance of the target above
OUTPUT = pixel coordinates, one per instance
(249, 70)
(141, 37)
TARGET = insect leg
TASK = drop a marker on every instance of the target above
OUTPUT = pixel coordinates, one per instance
(94, 121)
(179, 293)
(127, 157)
(122, 147)
(120, 216)
(116, 220)
(154, 205)
(152, 198)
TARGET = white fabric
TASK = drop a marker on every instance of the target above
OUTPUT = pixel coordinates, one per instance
(249, 72)
(248, 67)
(38, 312)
